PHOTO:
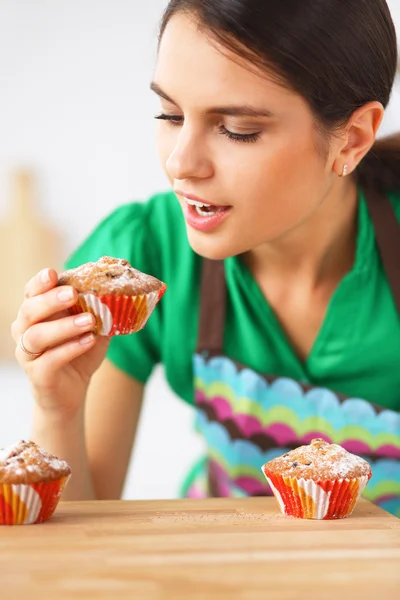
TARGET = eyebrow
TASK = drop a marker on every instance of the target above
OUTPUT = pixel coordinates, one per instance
(231, 110)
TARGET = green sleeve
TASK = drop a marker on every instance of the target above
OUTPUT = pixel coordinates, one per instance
(125, 233)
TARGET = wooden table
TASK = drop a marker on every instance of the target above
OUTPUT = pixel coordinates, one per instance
(196, 549)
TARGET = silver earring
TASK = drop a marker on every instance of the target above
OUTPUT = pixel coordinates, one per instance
(345, 170)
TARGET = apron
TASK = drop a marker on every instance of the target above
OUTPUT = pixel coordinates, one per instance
(247, 418)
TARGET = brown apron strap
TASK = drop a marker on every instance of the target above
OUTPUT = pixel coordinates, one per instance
(212, 307)
(213, 287)
(387, 233)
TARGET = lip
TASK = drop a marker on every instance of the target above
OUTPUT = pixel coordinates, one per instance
(201, 223)
(193, 197)
(198, 222)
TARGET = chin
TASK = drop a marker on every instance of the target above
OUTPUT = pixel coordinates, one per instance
(211, 246)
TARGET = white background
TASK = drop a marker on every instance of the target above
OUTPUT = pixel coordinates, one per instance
(75, 106)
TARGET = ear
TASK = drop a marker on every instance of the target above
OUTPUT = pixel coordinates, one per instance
(358, 137)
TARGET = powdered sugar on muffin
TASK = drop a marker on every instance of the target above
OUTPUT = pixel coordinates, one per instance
(320, 460)
(25, 462)
(110, 276)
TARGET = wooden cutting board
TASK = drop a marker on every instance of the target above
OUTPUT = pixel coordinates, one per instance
(28, 243)
(201, 549)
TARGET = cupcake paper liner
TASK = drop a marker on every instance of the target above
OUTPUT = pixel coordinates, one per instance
(25, 504)
(309, 499)
(118, 315)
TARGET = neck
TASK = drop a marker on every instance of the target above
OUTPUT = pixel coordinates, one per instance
(319, 249)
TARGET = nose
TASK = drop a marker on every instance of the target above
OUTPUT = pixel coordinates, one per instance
(189, 157)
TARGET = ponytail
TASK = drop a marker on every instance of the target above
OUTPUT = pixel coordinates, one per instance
(380, 168)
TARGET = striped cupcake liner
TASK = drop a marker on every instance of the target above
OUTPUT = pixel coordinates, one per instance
(26, 504)
(309, 499)
(118, 315)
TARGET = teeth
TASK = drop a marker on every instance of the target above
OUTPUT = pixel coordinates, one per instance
(195, 203)
(201, 212)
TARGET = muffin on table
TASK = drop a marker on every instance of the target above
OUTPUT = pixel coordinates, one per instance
(31, 483)
(317, 481)
(120, 297)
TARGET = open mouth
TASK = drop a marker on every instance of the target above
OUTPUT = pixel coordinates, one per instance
(205, 210)
(201, 215)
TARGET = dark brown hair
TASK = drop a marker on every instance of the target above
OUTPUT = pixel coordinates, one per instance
(338, 54)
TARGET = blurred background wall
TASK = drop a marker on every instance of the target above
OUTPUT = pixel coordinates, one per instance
(75, 109)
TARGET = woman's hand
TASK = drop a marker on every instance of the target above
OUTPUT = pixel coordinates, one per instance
(59, 352)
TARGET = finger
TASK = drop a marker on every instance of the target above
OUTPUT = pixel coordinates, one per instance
(42, 282)
(43, 369)
(28, 355)
(40, 308)
(42, 336)
(66, 353)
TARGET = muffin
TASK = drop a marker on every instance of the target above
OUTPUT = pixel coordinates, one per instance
(120, 297)
(318, 481)
(31, 484)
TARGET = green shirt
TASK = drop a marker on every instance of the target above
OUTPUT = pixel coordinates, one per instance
(357, 351)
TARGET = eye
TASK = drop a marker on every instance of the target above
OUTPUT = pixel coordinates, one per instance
(239, 137)
(173, 119)
(235, 137)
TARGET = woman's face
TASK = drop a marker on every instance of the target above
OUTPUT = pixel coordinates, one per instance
(234, 140)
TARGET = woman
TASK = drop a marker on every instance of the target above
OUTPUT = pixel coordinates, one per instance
(288, 292)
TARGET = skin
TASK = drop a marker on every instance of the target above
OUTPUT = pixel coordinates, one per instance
(292, 220)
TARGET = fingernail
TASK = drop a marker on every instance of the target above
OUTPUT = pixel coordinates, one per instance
(65, 295)
(86, 339)
(45, 276)
(83, 320)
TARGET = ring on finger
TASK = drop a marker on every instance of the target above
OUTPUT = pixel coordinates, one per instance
(31, 354)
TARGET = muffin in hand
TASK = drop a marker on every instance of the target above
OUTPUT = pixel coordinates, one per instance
(31, 484)
(120, 297)
(318, 481)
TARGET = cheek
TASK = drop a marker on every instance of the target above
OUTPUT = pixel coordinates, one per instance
(280, 186)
